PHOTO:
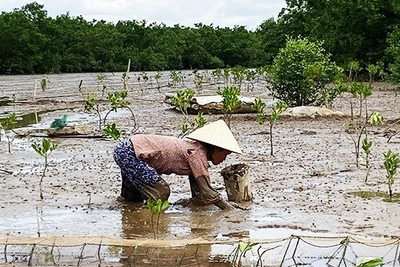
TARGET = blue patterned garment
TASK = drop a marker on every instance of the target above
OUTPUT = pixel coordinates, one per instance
(135, 172)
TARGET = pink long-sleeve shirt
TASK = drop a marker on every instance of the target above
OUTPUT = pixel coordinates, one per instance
(167, 154)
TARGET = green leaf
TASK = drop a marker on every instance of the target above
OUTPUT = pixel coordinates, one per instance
(366, 145)
(164, 206)
(38, 149)
(370, 262)
(155, 210)
(45, 147)
(46, 144)
(112, 131)
(244, 247)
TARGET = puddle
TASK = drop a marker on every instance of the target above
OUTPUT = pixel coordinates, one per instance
(32, 120)
(27, 119)
(4, 102)
(382, 195)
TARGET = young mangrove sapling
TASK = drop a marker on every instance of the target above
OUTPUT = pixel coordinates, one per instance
(375, 119)
(44, 149)
(157, 77)
(370, 262)
(118, 100)
(112, 131)
(8, 125)
(240, 251)
(230, 102)
(156, 207)
(391, 164)
(277, 109)
(181, 101)
(90, 104)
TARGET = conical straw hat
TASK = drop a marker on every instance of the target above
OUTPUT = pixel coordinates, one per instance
(218, 134)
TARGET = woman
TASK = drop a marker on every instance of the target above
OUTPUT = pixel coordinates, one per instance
(143, 158)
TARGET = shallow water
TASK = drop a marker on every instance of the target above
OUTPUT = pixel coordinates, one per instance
(129, 220)
(132, 221)
(378, 195)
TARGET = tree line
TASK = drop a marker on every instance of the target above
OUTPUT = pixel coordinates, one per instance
(363, 31)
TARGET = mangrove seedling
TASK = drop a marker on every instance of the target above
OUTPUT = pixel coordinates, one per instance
(238, 73)
(391, 164)
(375, 119)
(262, 72)
(354, 68)
(230, 102)
(181, 101)
(44, 149)
(157, 77)
(375, 71)
(143, 77)
(250, 78)
(361, 129)
(100, 81)
(240, 251)
(188, 126)
(90, 104)
(8, 125)
(358, 90)
(112, 131)
(200, 121)
(366, 146)
(362, 91)
(276, 111)
(43, 83)
(156, 207)
(371, 262)
(227, 75)
(176, 77)
(217, 74)
(198, 80)
(125, 77)
(118, 100)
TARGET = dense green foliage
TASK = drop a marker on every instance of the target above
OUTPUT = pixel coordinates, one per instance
(32, 42)
(301, 72)
(351, 31)
(394, 50)
(354, 30)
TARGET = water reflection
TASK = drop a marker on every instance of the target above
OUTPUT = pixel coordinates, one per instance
(136, 221)
(176, 223)
(26, 119)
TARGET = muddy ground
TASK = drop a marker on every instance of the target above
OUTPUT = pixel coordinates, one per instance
(306, 188)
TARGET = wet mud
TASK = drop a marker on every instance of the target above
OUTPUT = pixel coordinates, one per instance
(305, 189)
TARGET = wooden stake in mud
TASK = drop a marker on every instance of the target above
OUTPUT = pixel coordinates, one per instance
(237, 183)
